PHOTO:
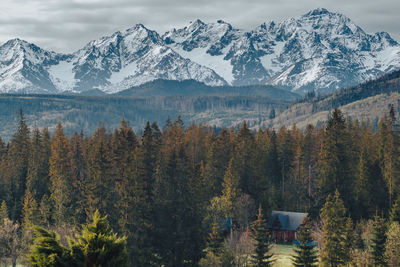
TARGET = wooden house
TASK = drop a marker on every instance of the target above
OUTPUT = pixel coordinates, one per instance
(284, 225)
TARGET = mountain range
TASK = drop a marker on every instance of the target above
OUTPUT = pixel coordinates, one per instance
(320, 50)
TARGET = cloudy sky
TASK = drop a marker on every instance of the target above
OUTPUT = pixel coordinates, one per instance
(66, 25)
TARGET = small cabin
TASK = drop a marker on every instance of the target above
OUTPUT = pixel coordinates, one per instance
(284, 225)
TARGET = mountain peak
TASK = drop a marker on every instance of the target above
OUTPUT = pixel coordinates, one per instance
(318, 11)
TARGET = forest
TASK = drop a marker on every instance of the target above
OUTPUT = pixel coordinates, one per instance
(190, 195)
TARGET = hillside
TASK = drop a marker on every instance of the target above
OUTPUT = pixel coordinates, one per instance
(369, 100)
(78, 112)
(192, 87)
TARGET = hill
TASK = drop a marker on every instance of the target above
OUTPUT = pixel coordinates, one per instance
(192, 87)
(369, 100)
(78, 112)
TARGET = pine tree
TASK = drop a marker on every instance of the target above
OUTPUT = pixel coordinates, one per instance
(16, 168)
(38, 170)
(96, 245)
(306, 253)
(392, 248)
(214, 242)
(61, 188)
(177, 228)
(100, 245)
(335, 171)
(78, 177)
(3, 212)
(230, 189)
(45, 210)
(333, 215)
(48, 251)
(262, 255)
(395, 212)
(378, 241)
(100, 188)
(389, 154)
(30, 217)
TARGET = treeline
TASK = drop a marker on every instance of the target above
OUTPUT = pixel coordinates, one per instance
(166, 190)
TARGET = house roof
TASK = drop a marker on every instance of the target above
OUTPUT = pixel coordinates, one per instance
(288, 220)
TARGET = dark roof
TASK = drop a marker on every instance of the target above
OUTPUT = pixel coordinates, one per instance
(288, 220)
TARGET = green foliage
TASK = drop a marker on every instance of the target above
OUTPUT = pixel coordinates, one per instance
(378, 241)
(334, 164)
(306, 252)
(100, 245)
(395, 212)
(262, 255)
(392, 248)
(48, 251)
(97, 245)
(3, 212)
(333, 214)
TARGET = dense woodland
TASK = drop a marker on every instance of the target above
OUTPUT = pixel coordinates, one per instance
(174, 190)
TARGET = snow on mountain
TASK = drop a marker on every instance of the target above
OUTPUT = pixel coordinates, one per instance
(320, 50)
(23, 68)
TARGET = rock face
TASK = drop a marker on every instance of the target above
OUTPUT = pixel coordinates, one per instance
(320, 50)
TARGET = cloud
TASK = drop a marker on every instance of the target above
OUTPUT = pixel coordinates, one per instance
(66, 25)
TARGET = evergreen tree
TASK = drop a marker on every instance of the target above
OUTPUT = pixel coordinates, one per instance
(61, 188)
(45, 210)
(389, 155)
(100, 186)
(333, 215)
(378, 241)
(262, 255)
(99, 245)
(38, 169)
(230, 189)
(48, 251)
(306, 254)
(392, 248)
(78, 176)
(96, 245)
(3, 212)
(214, 243)
(177, 228)
(16, 169)
(395, 212)
(335, 171)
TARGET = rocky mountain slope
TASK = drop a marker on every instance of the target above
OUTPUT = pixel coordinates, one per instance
(320, 50)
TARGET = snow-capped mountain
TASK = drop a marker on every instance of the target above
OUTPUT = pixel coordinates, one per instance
(23, 68)
(320, 50)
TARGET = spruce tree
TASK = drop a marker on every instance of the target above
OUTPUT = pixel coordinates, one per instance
(16, 169)
(215, 240)
(333, 215)
(100, 245)
(378, 241)
(48, 251)
(334, 162)
(38, 169)
(61, 188)
(100, 186)
(96, 245)
(230, 189)
(306, 253)
(3, 212)
(262, 255)
(395, 212)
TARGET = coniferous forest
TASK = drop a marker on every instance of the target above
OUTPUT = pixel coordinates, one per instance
(186, 195)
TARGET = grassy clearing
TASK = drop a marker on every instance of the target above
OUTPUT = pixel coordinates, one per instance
(283, 254)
